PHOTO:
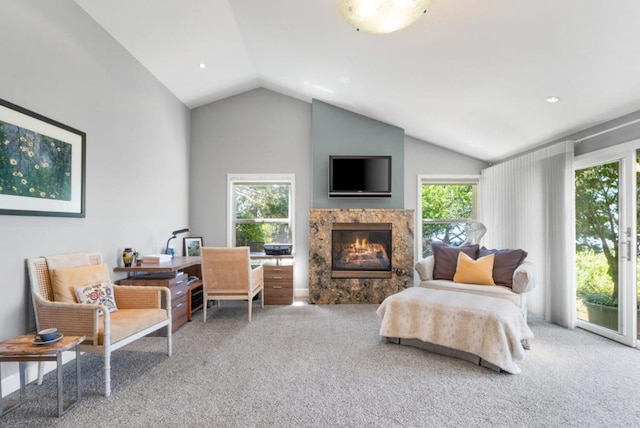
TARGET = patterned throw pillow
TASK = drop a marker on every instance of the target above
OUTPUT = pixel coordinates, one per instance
(97, 294)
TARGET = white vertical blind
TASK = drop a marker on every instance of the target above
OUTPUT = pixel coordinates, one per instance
(528, 203)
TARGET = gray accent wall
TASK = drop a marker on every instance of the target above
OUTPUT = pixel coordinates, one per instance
(56, 61)
(335, 131)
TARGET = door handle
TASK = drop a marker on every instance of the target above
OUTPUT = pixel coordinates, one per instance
(628, 243)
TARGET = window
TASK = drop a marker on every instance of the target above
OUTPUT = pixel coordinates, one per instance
(445, 204)
(261, 210)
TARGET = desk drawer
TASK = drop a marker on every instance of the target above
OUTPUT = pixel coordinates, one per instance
(277, 273)
(179, 295)
(278, 293)
(179, 312)
(178, 287)
(278, 285)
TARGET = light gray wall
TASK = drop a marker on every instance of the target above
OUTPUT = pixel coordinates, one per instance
(428, 159)
(335, 131)
(58, 62)
(258, 131)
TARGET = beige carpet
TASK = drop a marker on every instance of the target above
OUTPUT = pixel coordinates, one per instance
(326, 366)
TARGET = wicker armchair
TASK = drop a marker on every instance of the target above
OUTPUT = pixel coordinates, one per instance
(227, 275)
(140, 312)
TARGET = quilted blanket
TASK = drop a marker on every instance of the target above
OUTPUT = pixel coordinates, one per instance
(484, 326)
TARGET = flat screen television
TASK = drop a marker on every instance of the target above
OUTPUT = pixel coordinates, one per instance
(359, 176)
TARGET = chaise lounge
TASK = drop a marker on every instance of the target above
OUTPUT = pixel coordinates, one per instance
(471, 304)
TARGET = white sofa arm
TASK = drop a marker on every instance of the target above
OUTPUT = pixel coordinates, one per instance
(524, 278)
(425, 268)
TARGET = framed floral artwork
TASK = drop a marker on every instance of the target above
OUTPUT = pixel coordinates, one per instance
(42, 165)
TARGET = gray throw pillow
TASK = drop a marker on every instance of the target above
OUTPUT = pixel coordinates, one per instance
(446, 258)
(504, 264)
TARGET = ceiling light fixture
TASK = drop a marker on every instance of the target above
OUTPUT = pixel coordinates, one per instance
(382, 16)
(319, 87)
(553, 99)
(203, 65)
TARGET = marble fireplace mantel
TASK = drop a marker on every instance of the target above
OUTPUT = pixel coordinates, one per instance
(325, 289)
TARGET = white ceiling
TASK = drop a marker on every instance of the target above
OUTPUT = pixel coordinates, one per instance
(471, 76)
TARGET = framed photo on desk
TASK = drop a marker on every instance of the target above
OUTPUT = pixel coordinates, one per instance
(192, 246)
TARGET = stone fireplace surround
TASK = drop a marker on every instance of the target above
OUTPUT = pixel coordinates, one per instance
(323, 289)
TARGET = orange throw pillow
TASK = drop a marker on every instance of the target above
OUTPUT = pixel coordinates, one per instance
(471, 271)
(63, 280)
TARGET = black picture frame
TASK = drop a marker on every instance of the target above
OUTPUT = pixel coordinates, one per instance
(191, 246)
(42, 165)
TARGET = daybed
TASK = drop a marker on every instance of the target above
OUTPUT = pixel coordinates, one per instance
(471, 304)
(488, 329)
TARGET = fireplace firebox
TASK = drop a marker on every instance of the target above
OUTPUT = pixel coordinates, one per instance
(361, 250)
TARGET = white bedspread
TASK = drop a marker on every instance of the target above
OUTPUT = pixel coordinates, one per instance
(487, 327)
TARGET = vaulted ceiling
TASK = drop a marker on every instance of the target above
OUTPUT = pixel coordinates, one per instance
(471, 76)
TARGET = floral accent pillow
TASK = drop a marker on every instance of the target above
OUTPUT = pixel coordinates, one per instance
(97, 294)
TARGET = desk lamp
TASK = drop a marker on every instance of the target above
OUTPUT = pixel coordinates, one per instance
(173, 235)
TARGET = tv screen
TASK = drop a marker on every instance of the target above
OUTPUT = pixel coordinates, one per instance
(358, 176)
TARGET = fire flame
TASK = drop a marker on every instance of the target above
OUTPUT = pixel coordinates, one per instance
(361, 244)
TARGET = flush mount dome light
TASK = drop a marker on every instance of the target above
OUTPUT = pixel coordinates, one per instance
(382, 16)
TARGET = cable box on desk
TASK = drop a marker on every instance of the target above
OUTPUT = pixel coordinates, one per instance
(277, 249)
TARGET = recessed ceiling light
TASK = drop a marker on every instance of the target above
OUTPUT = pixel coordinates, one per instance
(318, 87)
(553, 99)
(345, 80)
(203, 65)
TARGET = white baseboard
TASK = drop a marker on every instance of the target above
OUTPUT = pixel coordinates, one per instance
(11, 383)
(300, 293)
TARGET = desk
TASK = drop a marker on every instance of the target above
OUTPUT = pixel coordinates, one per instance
(278, 281)
(174, 265)
(22, 350)
(173, 275)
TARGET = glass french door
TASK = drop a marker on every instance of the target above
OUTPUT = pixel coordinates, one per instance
(606, 207)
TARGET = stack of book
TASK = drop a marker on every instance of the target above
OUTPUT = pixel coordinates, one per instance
(156, 258)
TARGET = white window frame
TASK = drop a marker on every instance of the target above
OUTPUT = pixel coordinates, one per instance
(260, 179)
(473, 179)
